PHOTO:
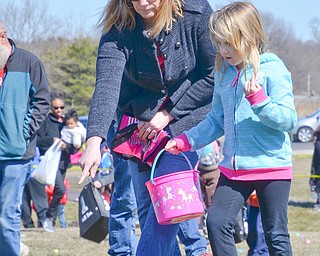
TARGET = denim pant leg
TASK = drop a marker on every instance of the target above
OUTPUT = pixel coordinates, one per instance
(13, 178)
(140, 190)
(144, 206)
(273, 200)
(190, 236)
(255, 240)
(157, 239)
(227, 201)
(123, 211)
(61, 216)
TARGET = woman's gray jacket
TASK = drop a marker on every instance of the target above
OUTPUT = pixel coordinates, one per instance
(129, 76)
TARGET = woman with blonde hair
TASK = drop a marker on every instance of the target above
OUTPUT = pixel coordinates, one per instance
(154, 63)
(254, 109)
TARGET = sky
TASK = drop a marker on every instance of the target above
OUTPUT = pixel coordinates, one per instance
(295, 13)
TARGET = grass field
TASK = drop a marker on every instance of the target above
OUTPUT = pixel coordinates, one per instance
(304, 223)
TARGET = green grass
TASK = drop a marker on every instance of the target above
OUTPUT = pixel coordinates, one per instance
(304, 223)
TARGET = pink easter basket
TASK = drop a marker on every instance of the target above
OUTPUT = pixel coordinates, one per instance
(175, 196)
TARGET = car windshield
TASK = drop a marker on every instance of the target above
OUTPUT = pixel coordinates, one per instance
(314, 113)
(83, 120)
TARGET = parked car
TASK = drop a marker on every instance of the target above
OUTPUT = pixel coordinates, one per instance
(303, 131)
(83, 120)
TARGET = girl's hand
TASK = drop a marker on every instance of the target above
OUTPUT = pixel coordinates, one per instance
(251, 86)
(148, 130)
(172, 147)
(90, 159)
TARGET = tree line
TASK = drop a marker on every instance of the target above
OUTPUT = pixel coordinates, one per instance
(69, 60)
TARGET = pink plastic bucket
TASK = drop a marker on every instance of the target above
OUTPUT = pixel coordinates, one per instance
(175, 196)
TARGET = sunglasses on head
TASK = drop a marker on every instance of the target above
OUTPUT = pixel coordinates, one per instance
(62, 107)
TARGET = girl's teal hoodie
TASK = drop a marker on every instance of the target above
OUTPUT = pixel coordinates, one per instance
(256, 144)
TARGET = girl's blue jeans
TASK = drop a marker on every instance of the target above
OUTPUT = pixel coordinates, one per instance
(14, 175)
(229, 197)
(162, 239)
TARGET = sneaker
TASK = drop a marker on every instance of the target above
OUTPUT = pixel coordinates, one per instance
(24, 250)
(48, 225)
(316, 208)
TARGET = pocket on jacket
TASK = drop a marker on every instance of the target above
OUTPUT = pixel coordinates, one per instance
(12, 143)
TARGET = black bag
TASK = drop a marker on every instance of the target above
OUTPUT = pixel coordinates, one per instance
(241, 227)
(93, 214)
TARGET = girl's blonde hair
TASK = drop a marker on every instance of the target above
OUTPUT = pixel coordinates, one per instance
(239, 24)
(122, 14)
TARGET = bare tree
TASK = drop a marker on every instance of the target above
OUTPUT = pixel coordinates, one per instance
(315, 28)
(279, 33)
(300, 57)
(29, 21)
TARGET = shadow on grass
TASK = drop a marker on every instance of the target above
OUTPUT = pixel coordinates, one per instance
(301, 204)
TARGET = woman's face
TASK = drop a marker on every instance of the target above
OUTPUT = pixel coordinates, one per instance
(146, 8)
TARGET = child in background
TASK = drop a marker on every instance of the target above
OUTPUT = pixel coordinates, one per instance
(253, 107)
(255, 240)
(105, 177)
(63, 202)
(73, 132)
(314, 180)
(209, 158)
(106, 158)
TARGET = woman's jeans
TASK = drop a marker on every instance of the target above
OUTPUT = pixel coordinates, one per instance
(123, 239)
(161, 239)
(14, 175)
(229, 197)
(123, 212)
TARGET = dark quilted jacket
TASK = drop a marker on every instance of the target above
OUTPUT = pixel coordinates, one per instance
(129, 75)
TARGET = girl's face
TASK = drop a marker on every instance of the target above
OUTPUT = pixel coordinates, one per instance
(71, 123)
(230, 54)
(146, 8)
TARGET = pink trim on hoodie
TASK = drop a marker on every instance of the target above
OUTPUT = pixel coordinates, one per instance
(182, 142)
(235, 81)
(278, 173)
(257, 97)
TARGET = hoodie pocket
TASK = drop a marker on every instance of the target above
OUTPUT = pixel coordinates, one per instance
(12, 141)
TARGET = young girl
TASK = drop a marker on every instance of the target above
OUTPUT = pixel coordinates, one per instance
(253, 107)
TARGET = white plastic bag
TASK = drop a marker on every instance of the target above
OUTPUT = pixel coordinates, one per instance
(47, 169)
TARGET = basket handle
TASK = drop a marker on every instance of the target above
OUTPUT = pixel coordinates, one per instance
(156, 159)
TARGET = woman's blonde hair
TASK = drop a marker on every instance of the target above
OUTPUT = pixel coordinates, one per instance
(239, 24)
(122, 14)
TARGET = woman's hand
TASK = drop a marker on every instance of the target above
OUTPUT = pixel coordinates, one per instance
(91, 158)
(251, 86)
(172, 147)
(97, 184)
(148, 130)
